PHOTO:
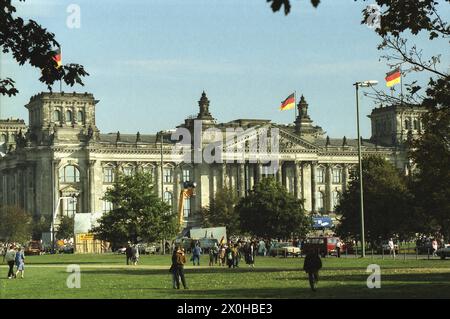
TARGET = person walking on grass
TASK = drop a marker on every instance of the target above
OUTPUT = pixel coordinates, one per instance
(174, 270)
(128, 253)
(20, 262)
(311, 266)
(250, 255)
(181, 260)
(10, 258)
(391, 247)
(196, 252)
(338, 248)
(222, 259)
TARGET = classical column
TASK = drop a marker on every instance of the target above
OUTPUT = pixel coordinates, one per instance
(328, 186)
(345, 177)
(176, 187)
(306, 186)
(92, 189)
(279, 173)
(258, 172)
(55, 171)
(158, 179)
(223, 176)
(313, 187)
(251, 175)
(241, 186)
(297, 180)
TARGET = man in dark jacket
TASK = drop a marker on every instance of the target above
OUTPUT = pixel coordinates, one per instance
(128, 253)
(311, 266)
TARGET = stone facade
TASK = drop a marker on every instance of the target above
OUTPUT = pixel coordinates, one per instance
(63, 153)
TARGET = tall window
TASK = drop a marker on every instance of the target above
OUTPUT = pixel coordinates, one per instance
(168, 198)
(320, 201)
(70, 207)
(168, 175)
(69, 116)
(187, 207)
(320, 175)
(108, 174)
(3, 138)
(335, 198)
(407, 125)
(186, 175)
(128, 170)
(69, 174)
(80, 117)
(337, 175)
(148, 170)
(107, 206)
(56, 116)
(416, 125)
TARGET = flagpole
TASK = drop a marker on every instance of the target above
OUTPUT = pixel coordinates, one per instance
(295, 106)
(401, 85)
(60, 79)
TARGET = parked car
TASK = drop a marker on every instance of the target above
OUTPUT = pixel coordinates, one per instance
(121, 250)
(443, 252)
(34, 247)
(283, 249)
(325, 246)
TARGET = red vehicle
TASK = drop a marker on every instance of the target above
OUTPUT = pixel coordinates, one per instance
(324, 246)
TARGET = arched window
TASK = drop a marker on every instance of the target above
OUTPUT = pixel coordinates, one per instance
(320, 201)
(56, 116)
(168, 198)
(69, 174)
(80, 117)
(69, 116)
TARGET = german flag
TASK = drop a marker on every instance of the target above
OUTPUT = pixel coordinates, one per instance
(289, 103)
(57, 58)
(393, 77)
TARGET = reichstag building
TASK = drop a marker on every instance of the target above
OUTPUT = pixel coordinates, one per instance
(62, 152)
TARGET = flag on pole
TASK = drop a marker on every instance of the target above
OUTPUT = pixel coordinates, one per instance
(288, 103)
(57, 58)
(393, 77)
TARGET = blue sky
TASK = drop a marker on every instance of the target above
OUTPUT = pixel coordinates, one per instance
(150, 60)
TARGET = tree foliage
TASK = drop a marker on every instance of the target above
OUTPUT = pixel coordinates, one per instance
(387, 210)
(138, 214)
(222, 211)
(66, 228)
(29, 42)
(15, 225)
(271, 211)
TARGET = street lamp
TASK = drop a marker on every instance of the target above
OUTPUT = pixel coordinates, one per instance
(72, 197)
(361, 196)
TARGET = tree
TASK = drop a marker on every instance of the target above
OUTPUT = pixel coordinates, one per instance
(222, 212)
(40, 225)
(276, 5)
(15, 224)
(66, 228)
(138, 214)
(387, 210)
(30, 42)
(271, 211)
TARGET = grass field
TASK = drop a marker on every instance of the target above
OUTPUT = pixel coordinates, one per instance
(107, 276)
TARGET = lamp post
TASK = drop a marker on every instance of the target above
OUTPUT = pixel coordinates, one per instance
(361, 194)
(72, 197)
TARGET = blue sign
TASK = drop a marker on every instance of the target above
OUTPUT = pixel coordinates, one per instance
(322, 222)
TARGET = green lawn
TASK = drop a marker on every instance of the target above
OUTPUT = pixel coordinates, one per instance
(106, 276)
